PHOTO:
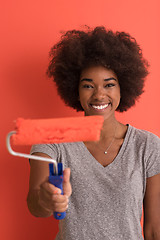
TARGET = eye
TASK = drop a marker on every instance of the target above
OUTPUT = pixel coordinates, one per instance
(110, 85)
(87, 86)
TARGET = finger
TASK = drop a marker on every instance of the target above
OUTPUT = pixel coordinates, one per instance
(53, 202)
(66, 174)
(47, 191)
(50, 188)
(60, 198)
(60, 207)
(54, 206)
(66, 182)
(60, 203)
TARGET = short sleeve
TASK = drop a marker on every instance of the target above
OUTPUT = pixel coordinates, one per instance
(50, 149)
(153, 155)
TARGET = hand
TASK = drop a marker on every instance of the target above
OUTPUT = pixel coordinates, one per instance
(50, 197)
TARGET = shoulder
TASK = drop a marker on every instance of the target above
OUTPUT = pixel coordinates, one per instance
(147, 145)
(144, 137)
(52, 147)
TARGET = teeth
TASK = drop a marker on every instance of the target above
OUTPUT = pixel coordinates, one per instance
(100, 106)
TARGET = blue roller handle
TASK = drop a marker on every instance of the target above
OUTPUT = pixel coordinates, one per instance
(57, 181)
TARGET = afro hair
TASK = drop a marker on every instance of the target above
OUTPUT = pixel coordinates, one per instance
(117, 51)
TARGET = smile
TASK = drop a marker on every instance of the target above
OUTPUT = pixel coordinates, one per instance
(100, 107)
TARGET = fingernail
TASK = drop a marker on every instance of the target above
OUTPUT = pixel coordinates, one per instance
(57, 191)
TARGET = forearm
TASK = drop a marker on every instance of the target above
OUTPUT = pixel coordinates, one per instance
(34, 207)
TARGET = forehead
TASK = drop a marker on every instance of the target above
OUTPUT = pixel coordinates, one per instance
(97, 71)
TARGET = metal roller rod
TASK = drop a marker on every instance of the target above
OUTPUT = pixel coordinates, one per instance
(29, 156)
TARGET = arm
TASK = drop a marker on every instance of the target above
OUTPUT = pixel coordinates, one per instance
(44, 198)
(152, 209)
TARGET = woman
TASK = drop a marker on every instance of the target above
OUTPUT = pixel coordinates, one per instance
(107, 182)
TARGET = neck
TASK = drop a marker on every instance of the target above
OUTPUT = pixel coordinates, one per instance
(109, 128)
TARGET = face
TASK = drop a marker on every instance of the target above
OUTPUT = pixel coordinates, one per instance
(99, 91)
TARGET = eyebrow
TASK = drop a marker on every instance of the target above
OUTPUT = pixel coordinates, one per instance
(90, 80)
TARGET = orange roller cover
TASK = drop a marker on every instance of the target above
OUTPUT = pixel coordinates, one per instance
(57, 130)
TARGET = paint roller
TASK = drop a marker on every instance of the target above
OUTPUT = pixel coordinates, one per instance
(58, 130)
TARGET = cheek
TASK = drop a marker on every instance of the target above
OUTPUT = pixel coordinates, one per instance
(118, 97)
(84, 95)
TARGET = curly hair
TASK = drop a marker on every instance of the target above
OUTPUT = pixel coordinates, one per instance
(117, 51)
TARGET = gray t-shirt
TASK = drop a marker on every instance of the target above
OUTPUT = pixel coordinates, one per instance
(106, 202)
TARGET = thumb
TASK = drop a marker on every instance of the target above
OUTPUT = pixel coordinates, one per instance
(67, 189)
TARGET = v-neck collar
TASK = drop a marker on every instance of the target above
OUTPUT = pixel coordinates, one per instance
(119, 155)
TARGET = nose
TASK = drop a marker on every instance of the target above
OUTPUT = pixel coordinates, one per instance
(99, 94)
